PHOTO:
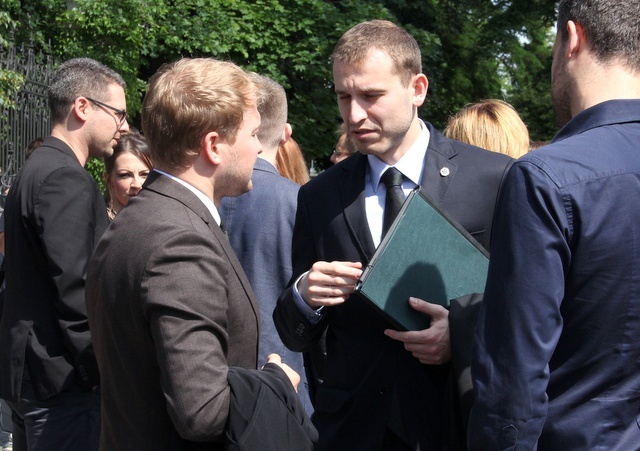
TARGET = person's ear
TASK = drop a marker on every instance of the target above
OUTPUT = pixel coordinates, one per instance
(286, 133)
(420, 85)
(81, 108)
(576, 38)
(211, 147)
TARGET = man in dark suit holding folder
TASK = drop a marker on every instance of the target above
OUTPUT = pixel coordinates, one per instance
(382, 389)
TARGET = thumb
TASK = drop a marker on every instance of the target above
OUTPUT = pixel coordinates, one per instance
(435, 311)
(274, 358)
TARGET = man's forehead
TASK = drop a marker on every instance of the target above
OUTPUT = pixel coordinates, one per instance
(376, 62)
(115, 92)
(366, 80)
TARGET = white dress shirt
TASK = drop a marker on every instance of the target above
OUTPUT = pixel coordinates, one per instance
(202, 196)
(410, 165)
(376, 193)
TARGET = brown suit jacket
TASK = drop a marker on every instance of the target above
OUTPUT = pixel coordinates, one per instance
(170, 311)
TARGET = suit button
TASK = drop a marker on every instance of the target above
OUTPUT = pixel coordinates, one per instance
(382, 390)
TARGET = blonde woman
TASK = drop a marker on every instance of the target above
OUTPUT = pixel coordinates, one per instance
(491, 124)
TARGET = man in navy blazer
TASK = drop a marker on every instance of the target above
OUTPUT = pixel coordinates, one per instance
(260, 225)
(382, 389)
(556, 362)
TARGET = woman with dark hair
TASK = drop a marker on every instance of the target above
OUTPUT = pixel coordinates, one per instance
(126, 170)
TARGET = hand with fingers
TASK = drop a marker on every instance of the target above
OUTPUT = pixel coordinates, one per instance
(329, 283)
(431, 346)
(293, 376)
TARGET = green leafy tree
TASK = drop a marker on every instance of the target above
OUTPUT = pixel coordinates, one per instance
(472, 49)
(10, 81)
(288, 40)
(487, 49)
(530, 70)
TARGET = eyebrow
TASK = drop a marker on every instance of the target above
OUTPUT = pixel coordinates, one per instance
(363, 91)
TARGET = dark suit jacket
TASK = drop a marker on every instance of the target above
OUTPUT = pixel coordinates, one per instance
(366, 372)
(54, 216)
(171, 311)
(260, 228)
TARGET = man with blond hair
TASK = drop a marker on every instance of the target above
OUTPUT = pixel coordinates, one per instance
(175, 321)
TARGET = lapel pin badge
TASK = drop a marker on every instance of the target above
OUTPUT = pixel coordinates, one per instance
(444, 171)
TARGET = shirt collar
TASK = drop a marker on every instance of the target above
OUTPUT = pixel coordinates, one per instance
(606, 113)
(410, 164)
(202, 196)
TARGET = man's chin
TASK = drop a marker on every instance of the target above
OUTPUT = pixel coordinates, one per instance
(235, 192)
(245, 189)
(101, 153)
(371, 149)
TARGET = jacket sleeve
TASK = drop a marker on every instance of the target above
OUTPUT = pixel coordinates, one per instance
(67, 223)
(520, 320)
(266, 413)
(184, 297)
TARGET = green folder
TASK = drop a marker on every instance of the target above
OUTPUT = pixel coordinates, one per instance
(426, 254)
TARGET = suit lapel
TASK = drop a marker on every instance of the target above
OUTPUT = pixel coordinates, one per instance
(438, 171)
(167, 187)
(352, 196)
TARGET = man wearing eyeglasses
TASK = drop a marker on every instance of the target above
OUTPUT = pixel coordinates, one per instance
(54, 216)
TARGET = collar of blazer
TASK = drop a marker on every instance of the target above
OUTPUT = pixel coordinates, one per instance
(164, 186)
(61, 146)
(440, 168)
(352, 198)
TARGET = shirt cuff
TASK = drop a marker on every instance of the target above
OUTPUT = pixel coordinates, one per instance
(311, 315)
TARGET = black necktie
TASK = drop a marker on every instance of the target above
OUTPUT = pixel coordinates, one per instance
(392, 178)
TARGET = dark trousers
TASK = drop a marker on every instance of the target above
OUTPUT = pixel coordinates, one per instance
(67, 421)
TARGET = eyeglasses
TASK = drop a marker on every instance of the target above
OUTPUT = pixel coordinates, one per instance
(120, 114)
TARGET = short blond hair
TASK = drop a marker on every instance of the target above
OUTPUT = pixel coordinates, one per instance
(491, 124)
(188, 99)
(272, 106)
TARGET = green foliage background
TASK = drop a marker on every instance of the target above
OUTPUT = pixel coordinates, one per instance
(472, 49)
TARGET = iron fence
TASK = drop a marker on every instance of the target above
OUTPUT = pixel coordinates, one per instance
(30, 118)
